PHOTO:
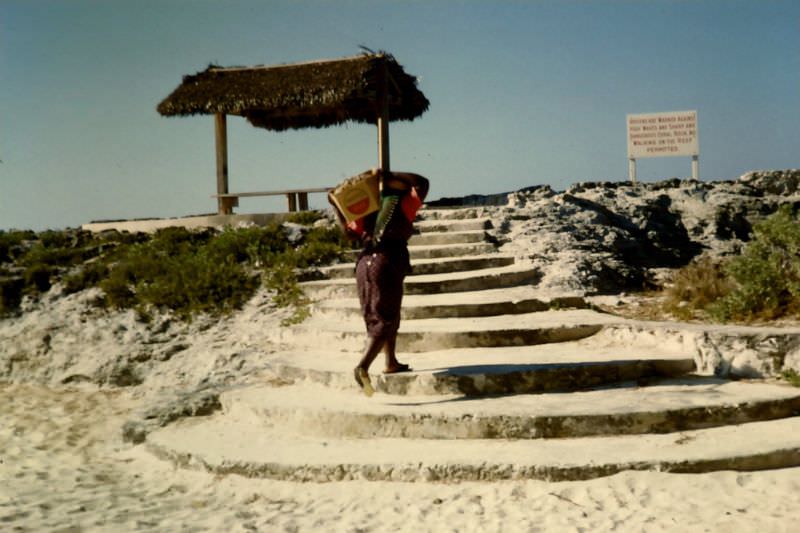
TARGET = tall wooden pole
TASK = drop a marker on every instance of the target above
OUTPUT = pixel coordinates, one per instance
(221, 136)
(383, 117)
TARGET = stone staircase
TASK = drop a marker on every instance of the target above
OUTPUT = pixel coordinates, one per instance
(509, 383)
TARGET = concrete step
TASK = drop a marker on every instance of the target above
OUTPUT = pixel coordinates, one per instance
(492, 302)
(447, 237)
(487, 278)
(246, 446)
(440, 250)
(665, 407)
(443, 333)
(472, 224)
(566, 366)
(423, 266)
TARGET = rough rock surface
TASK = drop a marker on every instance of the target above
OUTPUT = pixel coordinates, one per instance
(611, 237)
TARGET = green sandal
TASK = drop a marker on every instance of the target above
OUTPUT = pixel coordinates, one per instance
(362, 378)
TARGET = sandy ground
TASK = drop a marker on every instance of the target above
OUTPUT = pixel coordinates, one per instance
(65, 468)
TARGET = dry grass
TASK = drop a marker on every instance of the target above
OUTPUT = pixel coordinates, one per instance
(694, 287)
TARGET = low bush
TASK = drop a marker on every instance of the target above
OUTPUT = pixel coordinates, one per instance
(320, 246)
(791, 376)
(217, 273)
(11, 244)
(282, 279)
(10, 293)
(180, 271)
(185, 271)
(196, 282)
(767, 274)
(306, 218)
(88, 275)
(763, 283)
(37, 277)
(254, 245)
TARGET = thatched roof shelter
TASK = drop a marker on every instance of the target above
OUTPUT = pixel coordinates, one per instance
(315, 94)
(369, 88)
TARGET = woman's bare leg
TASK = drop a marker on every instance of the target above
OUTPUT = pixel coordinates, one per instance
(392, 364)
(374, 346)
(361, 372)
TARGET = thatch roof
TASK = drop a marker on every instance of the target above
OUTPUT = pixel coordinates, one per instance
(316, 94)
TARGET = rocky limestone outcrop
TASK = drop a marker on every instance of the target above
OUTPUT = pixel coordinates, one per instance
(610, 237)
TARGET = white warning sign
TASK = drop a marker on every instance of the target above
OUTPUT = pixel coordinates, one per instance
(663, 134)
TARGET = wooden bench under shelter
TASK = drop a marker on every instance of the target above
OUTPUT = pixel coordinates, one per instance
(369, 88)
(297, 199)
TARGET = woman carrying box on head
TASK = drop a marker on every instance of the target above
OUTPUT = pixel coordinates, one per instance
(383, 264)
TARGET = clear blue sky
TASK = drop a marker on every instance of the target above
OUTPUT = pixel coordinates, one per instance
(521, 93)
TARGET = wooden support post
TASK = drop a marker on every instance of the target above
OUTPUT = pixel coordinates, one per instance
(228, 204)
(303, 200)
(221, 136)
(383, 118)
(292, 202)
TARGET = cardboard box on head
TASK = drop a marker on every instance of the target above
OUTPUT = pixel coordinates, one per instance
(357, 196)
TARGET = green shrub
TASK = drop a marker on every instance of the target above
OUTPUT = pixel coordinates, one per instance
(197, 282)
(61, 249)
(282, 279)
(88, 275)
(58, 239)
(114, 237)
(179, 272)
(11, 243)
(39, 254)
(791, 376)
(10, 294)
(37, 277)
(177, 237)
(253, 245)
(320, 246)
(306, 218)
(185, 271)
(767, 274)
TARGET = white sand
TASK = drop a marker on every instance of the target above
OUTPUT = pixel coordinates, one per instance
(65, 468)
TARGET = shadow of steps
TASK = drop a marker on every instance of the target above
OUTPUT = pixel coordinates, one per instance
(267, 452)
(449, 215)
(423, 267)
(666, 407)
(422, 341)
(494, 379)
(487, 371)
(490, 302)
(489, 379)
(470, 224)
(440, 251)
(487, 278)
(431, 238)
(424, 335)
